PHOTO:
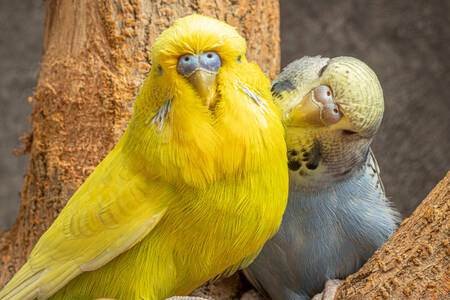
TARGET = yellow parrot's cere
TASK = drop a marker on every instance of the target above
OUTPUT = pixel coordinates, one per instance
(193, 189)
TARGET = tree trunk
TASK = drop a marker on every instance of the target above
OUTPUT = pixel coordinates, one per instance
(95, 56)
(414, 262)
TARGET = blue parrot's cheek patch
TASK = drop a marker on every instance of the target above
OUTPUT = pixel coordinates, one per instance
(315, 154)
(282, 86)
(323, 70)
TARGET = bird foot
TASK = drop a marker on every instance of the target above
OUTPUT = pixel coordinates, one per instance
(330, 290)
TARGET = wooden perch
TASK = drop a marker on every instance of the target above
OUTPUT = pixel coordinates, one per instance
(414, 262)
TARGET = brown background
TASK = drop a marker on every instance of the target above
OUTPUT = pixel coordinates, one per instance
(407, 43)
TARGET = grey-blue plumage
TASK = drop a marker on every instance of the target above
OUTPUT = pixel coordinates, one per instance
(325, 234)
(337, 213)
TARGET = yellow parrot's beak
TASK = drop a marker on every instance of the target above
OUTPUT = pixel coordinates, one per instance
(201, 70)
(317, 108)
(204, 81)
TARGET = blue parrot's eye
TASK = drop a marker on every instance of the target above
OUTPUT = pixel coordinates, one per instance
(210, 61)
(187, 64)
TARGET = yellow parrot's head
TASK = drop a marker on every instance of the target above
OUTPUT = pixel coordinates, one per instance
(191, 54)
(201, 93)
(331, 108)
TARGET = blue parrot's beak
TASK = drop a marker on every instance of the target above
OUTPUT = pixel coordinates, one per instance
(317, 108)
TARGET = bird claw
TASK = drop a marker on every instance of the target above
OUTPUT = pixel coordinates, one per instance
(329, 292)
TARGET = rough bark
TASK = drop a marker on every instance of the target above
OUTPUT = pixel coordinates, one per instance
(95, 55)
(414, 262)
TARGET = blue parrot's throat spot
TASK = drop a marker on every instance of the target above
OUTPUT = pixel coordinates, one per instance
(306, 156)
(293, 153)
(294, 165)
(311, 158)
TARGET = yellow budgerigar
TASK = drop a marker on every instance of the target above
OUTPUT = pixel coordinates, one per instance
(193, 189)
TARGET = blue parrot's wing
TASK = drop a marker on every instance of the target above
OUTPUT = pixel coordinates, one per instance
(374, 169)
(255, 282)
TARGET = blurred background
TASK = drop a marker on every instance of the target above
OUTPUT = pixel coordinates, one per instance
(407, 43)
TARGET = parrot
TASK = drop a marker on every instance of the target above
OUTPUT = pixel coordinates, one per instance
(192, 190)
(337, 213)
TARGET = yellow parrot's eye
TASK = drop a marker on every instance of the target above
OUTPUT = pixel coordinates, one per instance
(188, 64)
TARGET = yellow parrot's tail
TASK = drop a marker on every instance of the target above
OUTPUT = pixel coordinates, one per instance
(22, 283)
(29, 284)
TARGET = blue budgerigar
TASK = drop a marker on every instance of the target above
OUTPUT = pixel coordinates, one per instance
(337, 213)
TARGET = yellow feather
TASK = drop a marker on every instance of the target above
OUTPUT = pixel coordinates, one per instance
(188, 193)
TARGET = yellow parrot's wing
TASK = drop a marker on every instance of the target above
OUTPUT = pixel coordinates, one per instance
(113, 210)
